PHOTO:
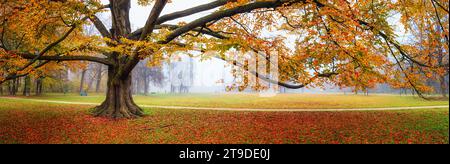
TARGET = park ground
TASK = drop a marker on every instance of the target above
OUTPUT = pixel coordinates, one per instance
(24, 120)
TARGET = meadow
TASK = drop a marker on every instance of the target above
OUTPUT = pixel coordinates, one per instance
(241, 100)
(23, 121)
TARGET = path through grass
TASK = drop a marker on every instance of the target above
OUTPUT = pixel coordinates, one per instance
(282, 101)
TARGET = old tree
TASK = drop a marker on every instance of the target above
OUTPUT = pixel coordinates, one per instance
(343, 42)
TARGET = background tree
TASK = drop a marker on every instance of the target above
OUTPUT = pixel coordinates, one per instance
(144, 76)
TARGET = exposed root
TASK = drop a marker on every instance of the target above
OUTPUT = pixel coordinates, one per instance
(124, 111)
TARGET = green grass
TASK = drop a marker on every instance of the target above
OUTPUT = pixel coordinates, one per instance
(281, 101)
(36, 122)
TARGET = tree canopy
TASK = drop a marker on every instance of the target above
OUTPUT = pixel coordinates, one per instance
(343, 42)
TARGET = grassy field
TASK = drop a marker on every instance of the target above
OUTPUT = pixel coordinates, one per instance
(24, 121)
(281, 101)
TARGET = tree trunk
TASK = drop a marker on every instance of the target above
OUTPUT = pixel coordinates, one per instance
(41, 86)
(119, 101)
(146, 83)
(99, 78)
(83, 74)
(17, 86)
(38, 90)
(133, 87)
(26, 86)
(91, 82)
(443, 87)
(12, 88)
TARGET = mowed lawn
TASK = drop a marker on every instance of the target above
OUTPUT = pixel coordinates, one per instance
(281, 101)
(23, 121)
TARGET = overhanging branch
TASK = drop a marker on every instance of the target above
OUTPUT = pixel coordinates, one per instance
(67, 58)
(272, 81)
(137, 33)
(100, 26)
(386, 37)
(226, 13)
(151, 21)
(192, 11)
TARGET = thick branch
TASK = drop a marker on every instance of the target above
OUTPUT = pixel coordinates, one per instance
(151, 21)
(133, 60)
(226, 13)
(192, 11)
(184, 13)
(67, 58)
(100, 26)
(50, 46)
(137, 33)
(15, 76)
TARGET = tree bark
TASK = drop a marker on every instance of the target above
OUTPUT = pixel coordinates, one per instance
(38, 90)
(61, 84)
(90, 83)
(83, 74)
(12, 88)
(99, 78)
(17, 86)
(146, 82)
(26, 86)
(41, 86)
(443, 86)
(119, 102)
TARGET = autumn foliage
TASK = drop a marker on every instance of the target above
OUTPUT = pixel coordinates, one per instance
(316, 42)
